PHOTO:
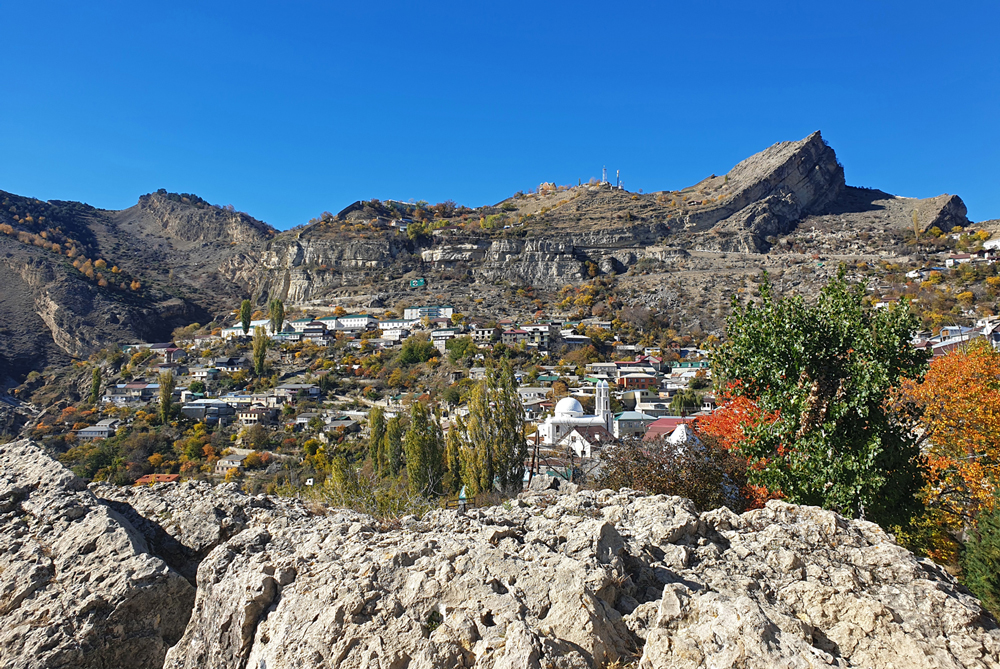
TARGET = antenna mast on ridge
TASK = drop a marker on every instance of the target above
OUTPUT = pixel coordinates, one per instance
(604, 175)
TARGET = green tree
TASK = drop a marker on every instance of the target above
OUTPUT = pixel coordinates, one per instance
(495, 449)
(417, 348)
(423, 446)
(376, 433)
(821, 375)
(95, 386)
(391, 457)
(459, 347)
(685, 401)
(452, 457)
(246, 310)
(197, 387)
(980, 558)
(260, 342)
(167, 385)
(277, 315)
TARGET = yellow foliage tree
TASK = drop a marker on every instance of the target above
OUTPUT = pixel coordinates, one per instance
(959, 403)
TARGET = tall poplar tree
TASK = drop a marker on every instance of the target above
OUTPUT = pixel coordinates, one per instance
(246, 311)
(167, 384)
(423, 446)
(277, 315)
(452, 456)
(376, 433)
(95, 386)
(260, 342)
(391, 458)
(495, 449)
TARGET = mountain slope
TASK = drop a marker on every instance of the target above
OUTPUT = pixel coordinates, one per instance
(172, 259)
(79, 278)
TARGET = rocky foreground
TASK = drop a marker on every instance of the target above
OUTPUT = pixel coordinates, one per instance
(191, 575)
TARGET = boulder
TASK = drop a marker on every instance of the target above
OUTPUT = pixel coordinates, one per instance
(584, 579)
(80, 586)
(551, 579)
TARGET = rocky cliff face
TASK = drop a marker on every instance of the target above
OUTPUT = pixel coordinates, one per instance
(51, 312)
(550, 238)
(584, 579)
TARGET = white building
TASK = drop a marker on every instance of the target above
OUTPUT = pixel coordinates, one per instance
(237, 330)
(434, 311)
(569, 415)
(356, 321)
(586, 441)
(396, 334)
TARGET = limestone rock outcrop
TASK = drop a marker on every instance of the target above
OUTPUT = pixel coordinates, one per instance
(581, 580)
(561, 578)
(183, 522)
(78, 585)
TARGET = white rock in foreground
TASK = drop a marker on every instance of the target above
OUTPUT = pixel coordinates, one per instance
(93, 578)
(78, 585)
(581, 580)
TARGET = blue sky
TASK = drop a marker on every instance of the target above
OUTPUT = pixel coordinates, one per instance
(288, 109)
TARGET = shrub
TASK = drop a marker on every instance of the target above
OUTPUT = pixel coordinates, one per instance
(981, 560)
(703, 471)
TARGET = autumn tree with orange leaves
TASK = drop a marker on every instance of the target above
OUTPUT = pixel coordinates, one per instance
(958, 406)
(729, 426)
(815, 380)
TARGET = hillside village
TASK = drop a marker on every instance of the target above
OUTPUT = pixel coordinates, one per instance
(606, 305)
(584, 385)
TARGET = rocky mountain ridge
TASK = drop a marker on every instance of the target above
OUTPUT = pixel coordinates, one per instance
(101, 577)
(193, 262)
(553, 237)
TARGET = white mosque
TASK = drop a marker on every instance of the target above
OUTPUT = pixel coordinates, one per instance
(569, 416)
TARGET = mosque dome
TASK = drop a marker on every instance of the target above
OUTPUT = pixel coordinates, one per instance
(569, 406)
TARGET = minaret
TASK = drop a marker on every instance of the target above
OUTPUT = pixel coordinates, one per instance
(602, 404)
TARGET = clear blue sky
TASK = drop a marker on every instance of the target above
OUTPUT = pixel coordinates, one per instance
(288, 109)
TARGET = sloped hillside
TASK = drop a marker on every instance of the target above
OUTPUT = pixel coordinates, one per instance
(77, 278)
(87, 277)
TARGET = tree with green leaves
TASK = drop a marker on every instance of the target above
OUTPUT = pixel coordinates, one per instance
(376, 433)
(460, 347)
(95, 386)
(167, 385)
(416, 349)
(452, 481)
(495, 448)
(277, 315)
(391, 456)
(685, 401)
(819, 377)
(980, 559)
(246, 312)
(260, 342)
(423, 446)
